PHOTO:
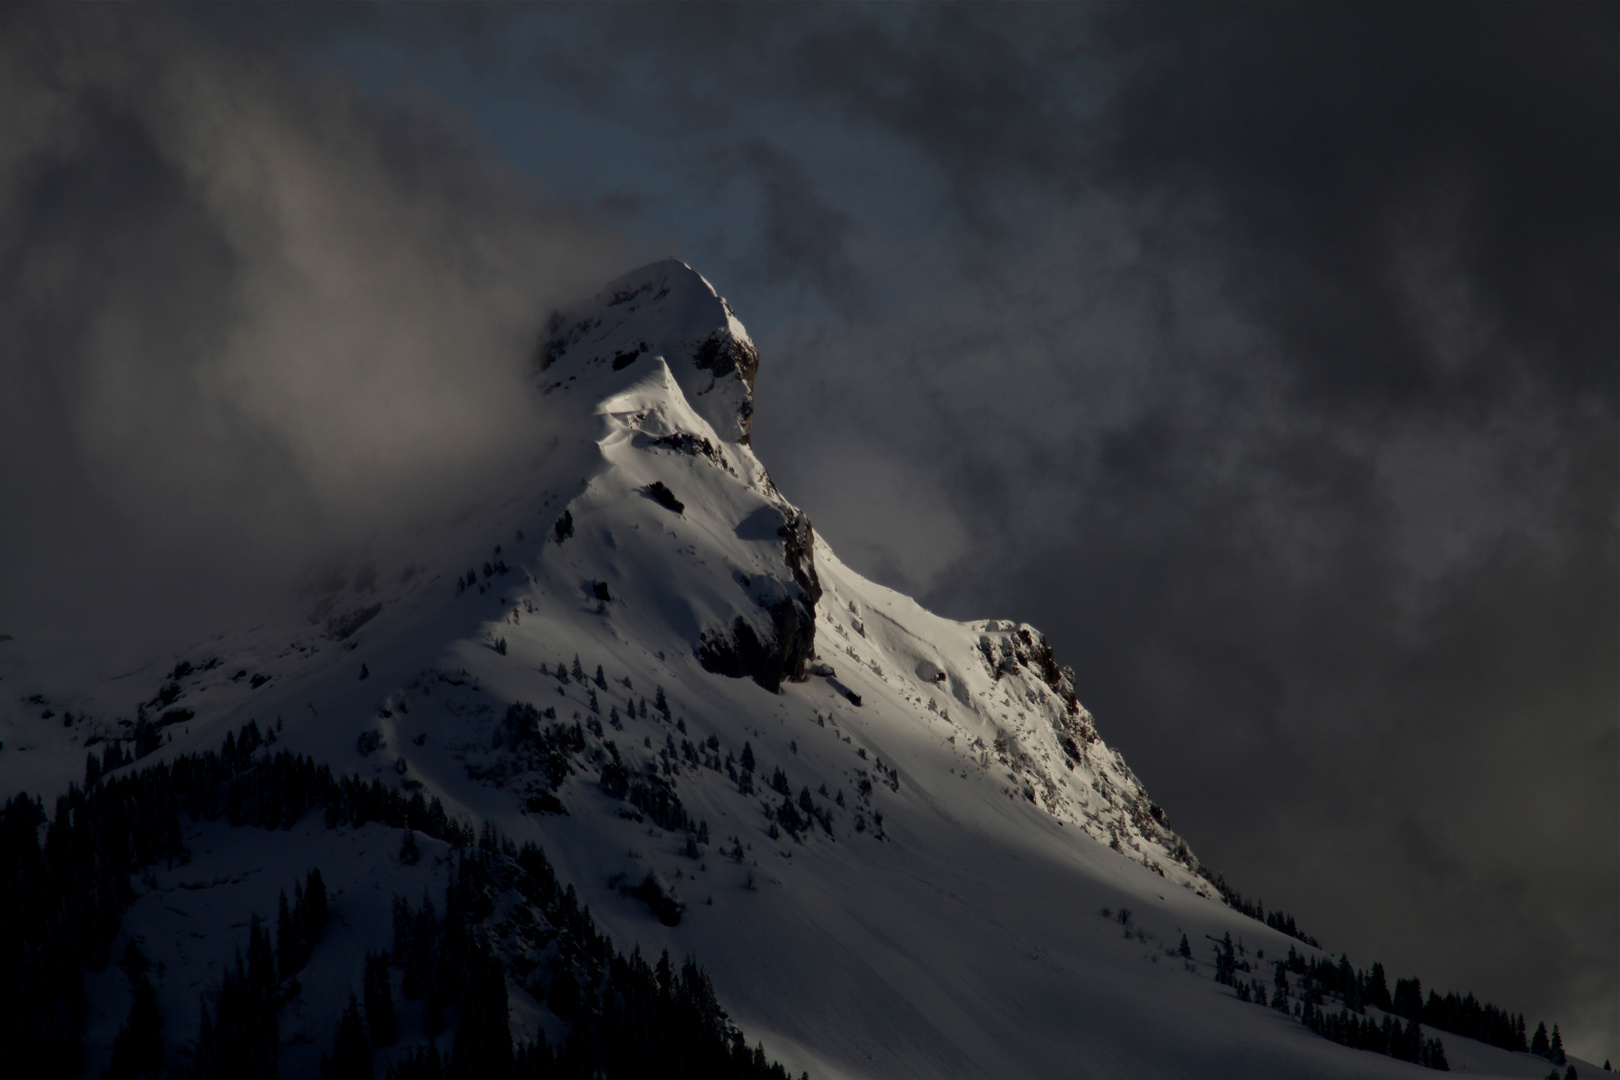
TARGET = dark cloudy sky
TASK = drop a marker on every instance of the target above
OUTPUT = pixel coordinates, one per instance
(1265, 357)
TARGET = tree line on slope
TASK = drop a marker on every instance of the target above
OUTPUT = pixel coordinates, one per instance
(62, 898)
(1355, 990)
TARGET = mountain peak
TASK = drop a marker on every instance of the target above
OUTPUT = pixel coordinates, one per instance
(664, 309)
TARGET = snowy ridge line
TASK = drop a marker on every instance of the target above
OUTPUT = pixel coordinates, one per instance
(884, 831)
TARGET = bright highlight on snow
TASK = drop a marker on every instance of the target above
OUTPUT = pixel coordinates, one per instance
(642, 698)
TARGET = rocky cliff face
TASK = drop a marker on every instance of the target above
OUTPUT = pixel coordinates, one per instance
(665, 318)
(663, 310)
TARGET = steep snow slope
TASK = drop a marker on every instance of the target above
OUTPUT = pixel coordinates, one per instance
(917, 895)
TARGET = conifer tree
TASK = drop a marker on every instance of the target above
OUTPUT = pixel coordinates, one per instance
(1538, 1041)
(1376, 991)
(379, 994)
(1556, 1050)
(351, 1050)
(288, 960)
(138, 1049)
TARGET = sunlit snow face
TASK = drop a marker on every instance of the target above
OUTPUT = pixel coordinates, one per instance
(1267, 397)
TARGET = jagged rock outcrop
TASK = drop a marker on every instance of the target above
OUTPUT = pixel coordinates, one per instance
(782, 652)
(663, 310)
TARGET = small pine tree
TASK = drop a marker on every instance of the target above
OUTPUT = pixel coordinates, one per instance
(316, 910)
(1538, 1041)
(660, 702)
(1376, 991)
(288, 960)
(1184, 949)
(748, 757)
(576, 671)
(379, 1001)
(138, 1049)
(433, 1019)
(1556, 1050)
(1437, 1056)
(351, 1050)
(601, 680)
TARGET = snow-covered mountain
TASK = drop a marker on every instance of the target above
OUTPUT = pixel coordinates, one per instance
(898, 843)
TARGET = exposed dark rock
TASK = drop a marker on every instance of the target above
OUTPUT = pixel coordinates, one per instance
(784, 655)
(174, 716)
(687, 443)
(660, 494)
(546, 803)
(721, 354)
(339, 627)
(798, 552)
(852, 696)
(740, 653)
(552, 342)
(564, 527)
(600, 590)
(787, 653)
(651, 893)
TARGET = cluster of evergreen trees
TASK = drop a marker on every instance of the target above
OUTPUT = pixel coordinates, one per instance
(63, 895)
(627, 1019)
(1460, 1015)
(1463, 1015)
(299, 925)
(1551, 1049)
(139, 1050)
(1278, 920)
(1391, 1037)
(1356, 989)
(547, 749)
(62, 898)
(240, 1038)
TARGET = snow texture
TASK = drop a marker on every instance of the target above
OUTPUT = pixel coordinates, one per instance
(960, 823)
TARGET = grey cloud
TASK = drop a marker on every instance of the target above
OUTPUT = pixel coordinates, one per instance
(801, 237)
(1270, 369)
(1262, 356)
(251, 318)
